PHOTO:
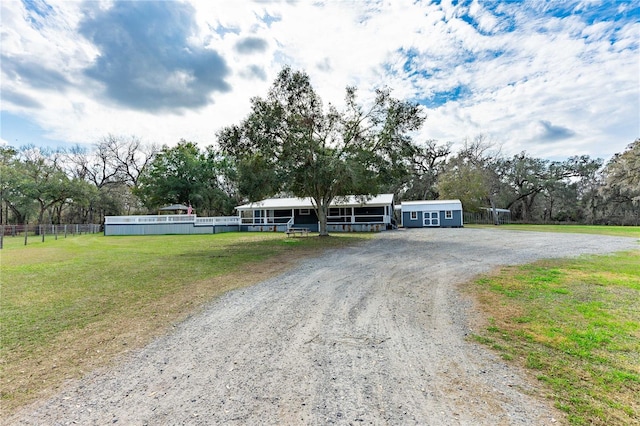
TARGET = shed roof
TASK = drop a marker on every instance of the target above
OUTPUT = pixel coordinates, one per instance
(306, 203)
(431, 205)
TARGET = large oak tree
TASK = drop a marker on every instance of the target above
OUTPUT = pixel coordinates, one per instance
(290, 143)
(185, 174)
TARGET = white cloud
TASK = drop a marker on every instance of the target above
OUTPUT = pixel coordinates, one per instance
(517, 72)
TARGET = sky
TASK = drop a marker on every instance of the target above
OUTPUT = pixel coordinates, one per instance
(552, 78)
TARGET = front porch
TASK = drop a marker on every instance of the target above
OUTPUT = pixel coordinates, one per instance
(347, 215)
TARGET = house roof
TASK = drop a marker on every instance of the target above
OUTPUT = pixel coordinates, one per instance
(306, 203)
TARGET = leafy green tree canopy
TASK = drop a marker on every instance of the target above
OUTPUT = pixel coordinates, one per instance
(290, 143)
(174, 176)
(623, 172)
(184, 174)
(471, 175)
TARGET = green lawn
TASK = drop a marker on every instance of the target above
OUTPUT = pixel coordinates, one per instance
(575, 324)
(620, 231)
(71, 304)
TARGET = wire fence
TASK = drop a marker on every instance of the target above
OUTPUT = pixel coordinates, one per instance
(43, 232)
(486, 218)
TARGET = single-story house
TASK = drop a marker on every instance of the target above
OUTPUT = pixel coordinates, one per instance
(432, 213)
(346, 214)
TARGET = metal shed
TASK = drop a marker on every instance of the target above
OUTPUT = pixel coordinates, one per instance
(432, 213)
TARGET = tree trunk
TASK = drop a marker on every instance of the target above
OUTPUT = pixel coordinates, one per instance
(41, 213)
(322, 218)
(19, 218)
(494, 212)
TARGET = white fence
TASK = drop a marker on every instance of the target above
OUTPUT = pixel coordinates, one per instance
(173, 218)
(218, 220)
(191, 224)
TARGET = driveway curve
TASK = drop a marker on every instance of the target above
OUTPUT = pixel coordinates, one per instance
(372, 334)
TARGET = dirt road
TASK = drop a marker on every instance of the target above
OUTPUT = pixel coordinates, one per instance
(374, 334)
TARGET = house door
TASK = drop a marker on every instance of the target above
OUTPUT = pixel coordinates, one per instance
(431, 219)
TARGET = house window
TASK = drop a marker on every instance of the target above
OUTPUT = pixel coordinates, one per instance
(305, 212)
(448, 214)
(414, 215)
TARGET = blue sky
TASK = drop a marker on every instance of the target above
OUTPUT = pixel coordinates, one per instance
(552, 78)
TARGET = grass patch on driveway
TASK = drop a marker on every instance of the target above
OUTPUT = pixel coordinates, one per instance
(576, 324)
(70, 305)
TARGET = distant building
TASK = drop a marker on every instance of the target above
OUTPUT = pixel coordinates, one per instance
(175, 209)
(486, 215)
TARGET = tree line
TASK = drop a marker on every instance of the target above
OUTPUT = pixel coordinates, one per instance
(290, 144)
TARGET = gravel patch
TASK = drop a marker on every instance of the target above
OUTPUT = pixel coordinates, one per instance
(373, 334)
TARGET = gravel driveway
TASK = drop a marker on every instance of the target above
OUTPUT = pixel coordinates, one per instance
(373, 334)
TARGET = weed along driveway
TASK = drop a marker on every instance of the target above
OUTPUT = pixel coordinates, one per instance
(371, 334)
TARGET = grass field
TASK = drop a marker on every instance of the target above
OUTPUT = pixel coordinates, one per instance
(618, 231)
(575, 324)
(70, 305)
